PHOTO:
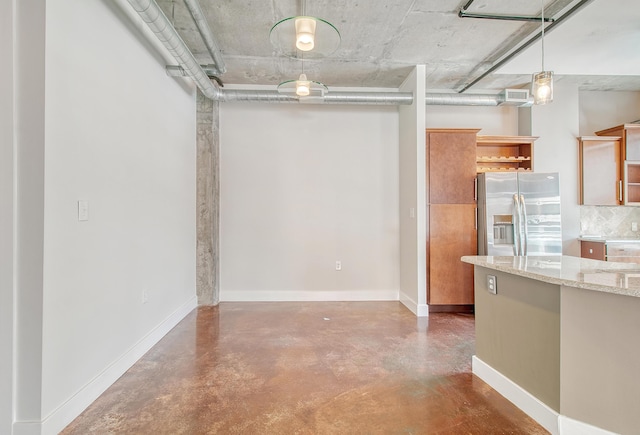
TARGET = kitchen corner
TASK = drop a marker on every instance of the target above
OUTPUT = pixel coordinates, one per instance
(610, 233)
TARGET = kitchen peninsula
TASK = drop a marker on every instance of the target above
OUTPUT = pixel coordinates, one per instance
(558, 336)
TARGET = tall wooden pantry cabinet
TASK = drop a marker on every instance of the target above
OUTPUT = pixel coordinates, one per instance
(451, 226)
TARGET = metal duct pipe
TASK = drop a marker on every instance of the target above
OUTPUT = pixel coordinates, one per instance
(178, 71)
(463, 99)
(381, 98)
(538, 35)
(157, 21)
(207, 35)
(398, 98)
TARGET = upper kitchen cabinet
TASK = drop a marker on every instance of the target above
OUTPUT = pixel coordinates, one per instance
(629, 139)
(451, 163)
(505, 153)
(601, 170)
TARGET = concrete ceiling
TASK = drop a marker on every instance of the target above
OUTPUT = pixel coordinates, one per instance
(382, 40)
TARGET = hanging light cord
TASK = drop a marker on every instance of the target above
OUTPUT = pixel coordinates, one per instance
(542, 38)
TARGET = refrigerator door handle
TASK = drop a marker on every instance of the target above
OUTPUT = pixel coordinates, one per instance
(523, 216)
(516, 225)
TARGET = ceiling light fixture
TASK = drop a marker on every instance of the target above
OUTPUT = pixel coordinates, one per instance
(311, 36)
(305, 33)
(542, 82)
(303, 87)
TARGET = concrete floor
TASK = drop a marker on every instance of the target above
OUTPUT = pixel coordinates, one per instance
(307, 368)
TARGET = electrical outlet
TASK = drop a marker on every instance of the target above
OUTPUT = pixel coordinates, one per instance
(145, 296)
(492, 284)
(634, 226)
(338, 265)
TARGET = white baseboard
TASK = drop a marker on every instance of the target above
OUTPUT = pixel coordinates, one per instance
(534, 408)
(569, 426)
(420, 310)
(552, 421)
(27, 428)
(69, 410)
(307, 295)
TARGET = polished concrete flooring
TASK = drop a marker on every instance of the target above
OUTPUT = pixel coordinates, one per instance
(307, 368)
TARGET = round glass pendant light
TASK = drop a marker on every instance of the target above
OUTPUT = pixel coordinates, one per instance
(302, 87)
(311, 37)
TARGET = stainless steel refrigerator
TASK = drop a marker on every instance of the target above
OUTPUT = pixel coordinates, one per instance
(519, 214)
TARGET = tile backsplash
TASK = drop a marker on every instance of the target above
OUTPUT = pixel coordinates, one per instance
(612, 221)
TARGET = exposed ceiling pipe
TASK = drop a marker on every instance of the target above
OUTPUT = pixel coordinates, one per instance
(462, 100)
(207, 36)
(151, 13)
(538, 35)
(464, 14)
(157, 21)
(160, 25)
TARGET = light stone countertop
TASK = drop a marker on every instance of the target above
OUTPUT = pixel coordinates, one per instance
(605, 239)
(604, 276)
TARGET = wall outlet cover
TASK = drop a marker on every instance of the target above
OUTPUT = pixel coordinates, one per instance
(492, 284)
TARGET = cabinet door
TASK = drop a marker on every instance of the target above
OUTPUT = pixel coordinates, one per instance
(593, 250)
(452, 234)
(631, 138)
(451, 166)
(600, 171)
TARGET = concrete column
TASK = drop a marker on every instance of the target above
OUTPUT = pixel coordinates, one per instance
(208, 197)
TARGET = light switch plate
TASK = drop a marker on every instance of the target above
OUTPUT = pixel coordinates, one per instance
(492, 284)
(83, 210)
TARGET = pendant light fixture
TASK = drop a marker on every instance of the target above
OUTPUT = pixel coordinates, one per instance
(542, 82)
(303, 87)
(311, 36)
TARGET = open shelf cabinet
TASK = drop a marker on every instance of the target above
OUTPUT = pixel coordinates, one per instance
(632, 181)
(504, 153)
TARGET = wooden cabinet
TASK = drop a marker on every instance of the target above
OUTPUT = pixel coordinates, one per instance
(617, 169)
(451, 163)
(452, 234)
(629, 139)
(632, 182)
(451, 214)
(504, 153)
(611, 250)
(600, 170)
(593, 250)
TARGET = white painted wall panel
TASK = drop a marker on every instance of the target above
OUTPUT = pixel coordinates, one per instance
(413, 196)
(6, 217)
(303, 186)
(120, 134)
(600, 110)
(500, 120)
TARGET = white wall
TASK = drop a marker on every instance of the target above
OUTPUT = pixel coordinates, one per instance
(413, 196)
(303, 186)
(501, 120)
(601, 110)
(119, 133)
(29, 31)
(6, 217)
